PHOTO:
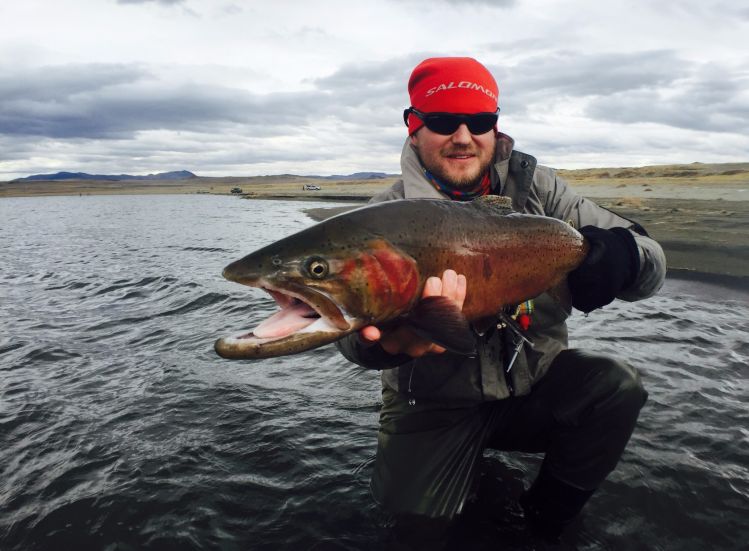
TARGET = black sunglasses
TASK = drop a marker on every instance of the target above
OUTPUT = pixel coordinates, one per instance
(448, 123)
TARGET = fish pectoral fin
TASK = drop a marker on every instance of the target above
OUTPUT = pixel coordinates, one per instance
(440, 320)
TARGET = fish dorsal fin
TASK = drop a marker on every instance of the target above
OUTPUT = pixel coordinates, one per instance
(501, 203)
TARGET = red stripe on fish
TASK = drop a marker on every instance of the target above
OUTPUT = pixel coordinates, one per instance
(401, 273)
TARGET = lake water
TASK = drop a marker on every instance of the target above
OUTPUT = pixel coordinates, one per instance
(121, 429)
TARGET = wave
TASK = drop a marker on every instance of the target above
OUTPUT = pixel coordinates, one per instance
(208, 249)
(129, 283)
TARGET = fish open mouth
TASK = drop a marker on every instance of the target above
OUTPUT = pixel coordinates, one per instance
(301, 314)
(295, 315)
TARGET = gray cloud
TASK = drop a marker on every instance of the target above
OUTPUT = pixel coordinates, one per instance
(639, 87)
(54, 82)
(232, 9)
(576, 74)
(165, 2)
(367, 77)
(703, 106)
(115, 101)
(490, 3)
(371, 86)
(704, 10)
(599, 80)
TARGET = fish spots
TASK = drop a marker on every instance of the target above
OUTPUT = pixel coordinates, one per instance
(487, 269)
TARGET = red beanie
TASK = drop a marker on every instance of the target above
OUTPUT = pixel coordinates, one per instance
(451, 85)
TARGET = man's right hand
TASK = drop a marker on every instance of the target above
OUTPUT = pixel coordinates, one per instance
(403, 340)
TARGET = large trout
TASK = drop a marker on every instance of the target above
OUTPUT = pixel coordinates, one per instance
(368, 267)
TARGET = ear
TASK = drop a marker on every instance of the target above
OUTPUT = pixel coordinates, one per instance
(414, 139)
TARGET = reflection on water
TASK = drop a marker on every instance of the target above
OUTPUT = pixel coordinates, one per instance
(120, 428)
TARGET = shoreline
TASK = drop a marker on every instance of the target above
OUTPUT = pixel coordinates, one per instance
(597, 192)
(735, 283)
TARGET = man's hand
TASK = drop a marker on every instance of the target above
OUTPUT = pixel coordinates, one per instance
(402, 340)
(612, 265)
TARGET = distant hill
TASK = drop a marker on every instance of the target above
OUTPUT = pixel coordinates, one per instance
(679, 171)
(174, 175)
(653, 173)
(354, 176)
(184, 175)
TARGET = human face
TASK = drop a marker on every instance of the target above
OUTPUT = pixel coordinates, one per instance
(460, 159)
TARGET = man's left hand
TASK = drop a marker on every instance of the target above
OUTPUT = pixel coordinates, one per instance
(611, 266)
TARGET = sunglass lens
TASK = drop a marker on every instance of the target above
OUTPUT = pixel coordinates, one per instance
(481, 124)
(442, 124)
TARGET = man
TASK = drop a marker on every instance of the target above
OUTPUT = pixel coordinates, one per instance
(440, 409)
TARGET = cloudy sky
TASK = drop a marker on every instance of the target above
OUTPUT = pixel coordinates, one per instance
(244, 87)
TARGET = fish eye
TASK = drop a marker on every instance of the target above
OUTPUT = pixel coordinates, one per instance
(317, 267)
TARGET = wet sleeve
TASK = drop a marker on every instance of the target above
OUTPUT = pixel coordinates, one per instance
(563, 203)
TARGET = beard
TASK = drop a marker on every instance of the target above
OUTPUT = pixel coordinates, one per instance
(464, 180)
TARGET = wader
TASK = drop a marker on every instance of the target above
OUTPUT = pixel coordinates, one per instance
(580, 414)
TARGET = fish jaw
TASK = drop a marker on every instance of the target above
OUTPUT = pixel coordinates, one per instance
(306, 319)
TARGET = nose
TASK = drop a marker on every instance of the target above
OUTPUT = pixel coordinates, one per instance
(462, 135)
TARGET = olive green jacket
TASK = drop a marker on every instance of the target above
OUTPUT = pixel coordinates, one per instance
(456, 378)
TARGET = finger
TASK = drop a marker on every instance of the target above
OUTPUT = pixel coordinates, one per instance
(404, 341)
(398, 340)
(421, 348)
(370, 334)
(418, 348)
(449, 284)
(432, 287)
(461, 290)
